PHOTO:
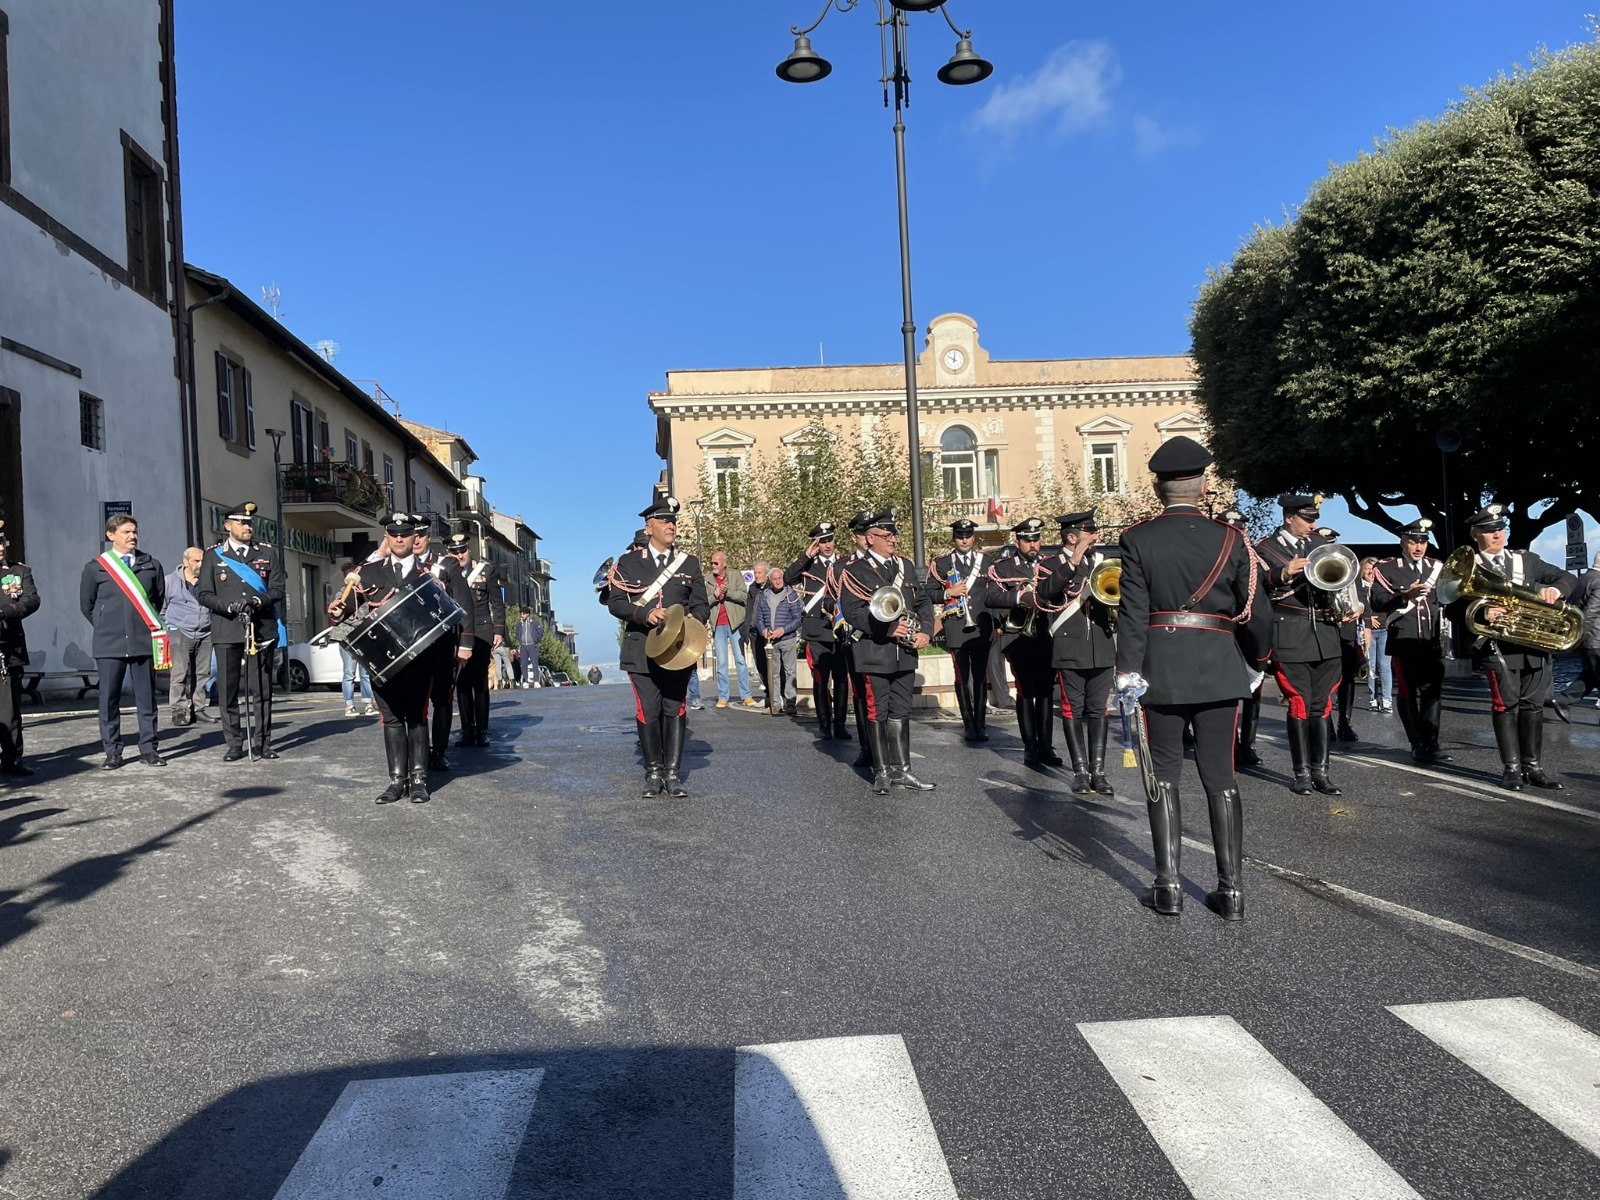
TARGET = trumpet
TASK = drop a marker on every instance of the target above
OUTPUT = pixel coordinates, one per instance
(959, 607)
(888, 604)
(1527, 620)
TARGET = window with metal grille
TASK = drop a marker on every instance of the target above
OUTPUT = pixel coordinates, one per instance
(91, 421)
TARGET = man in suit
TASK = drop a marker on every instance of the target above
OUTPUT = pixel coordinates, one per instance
(477, 590)
(1192, 634)
(121, 594)
(19, 599)
(243, 584)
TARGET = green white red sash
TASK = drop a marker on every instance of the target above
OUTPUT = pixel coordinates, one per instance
(122, 575)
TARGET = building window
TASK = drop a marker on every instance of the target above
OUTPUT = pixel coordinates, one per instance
(91, 421)
(349, 447)
(147, 256)
(300, 428)
(388, 478)
(324, 441)
(366, 458)
(727, 476)
(991, 472)
(236, 410)
(1105, 468)
(958, 463)
(5, 107)
(427, 499)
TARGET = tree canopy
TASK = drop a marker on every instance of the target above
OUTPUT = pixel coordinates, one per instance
(1449, 280)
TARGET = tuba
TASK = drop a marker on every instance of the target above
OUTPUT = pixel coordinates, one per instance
(1334, 569)
(1527, 621)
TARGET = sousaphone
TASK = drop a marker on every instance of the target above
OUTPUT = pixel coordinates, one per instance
(677, 642)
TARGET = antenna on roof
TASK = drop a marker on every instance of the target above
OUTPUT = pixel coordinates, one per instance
(328, 350)
(272, 296)
(822, 359)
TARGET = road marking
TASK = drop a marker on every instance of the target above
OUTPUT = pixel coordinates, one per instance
(841, 1117)
(1455, 781)
(418, 1138)
(1543, 1061)
(1231, 1118)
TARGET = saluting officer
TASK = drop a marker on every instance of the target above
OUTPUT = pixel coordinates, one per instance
(19, 599)
(1305, 641)
(1083, 651)
(848, 636)
(477, 590)
(643, 586)
(244, 584)
(1011, 590)
(1403, 596)
(1192, 632)
(1519, 676)
(824, 655)
(445, 653)
(959, 576)
(403, 699)
(886, 655)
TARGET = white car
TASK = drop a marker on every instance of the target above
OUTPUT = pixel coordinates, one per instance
(317, 661)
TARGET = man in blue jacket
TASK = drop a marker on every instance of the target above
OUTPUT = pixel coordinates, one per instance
(778, 618)
(121, 594)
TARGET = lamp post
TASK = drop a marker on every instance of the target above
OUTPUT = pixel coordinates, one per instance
(695, 506)
(277, 436)
(805, 65)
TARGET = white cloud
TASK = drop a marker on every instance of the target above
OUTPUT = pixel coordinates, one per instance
(1070, 93)
(1151, 137)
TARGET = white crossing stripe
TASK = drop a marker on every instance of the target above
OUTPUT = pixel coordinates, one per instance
(422, 1137)
(1231, 1119)
(840, 1117)
(1544, 1061)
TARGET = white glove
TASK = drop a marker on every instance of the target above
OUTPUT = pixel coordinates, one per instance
(1131, 686)
(1255, 679)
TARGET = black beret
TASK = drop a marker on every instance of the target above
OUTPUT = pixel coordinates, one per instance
(1180, 458)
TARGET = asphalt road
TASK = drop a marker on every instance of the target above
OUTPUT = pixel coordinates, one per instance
(539, 985)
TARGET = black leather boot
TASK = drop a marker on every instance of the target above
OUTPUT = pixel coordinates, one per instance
(417, 743)
(878, 738)
(1317, 739)
(1044, 732)
(650, 747)
(1098, 727)
(1505, 739)
(672, 731)
(439, 737)
(980, 710)
(1227, 836)
(820, 698)
(1429, 715)
(1025, 730)
(1166, 832)
(863, 730)
(1411, 722)
(1295, 734)
(1244, 751)
(901, 775)
(398, 753)
(1077, 739)
(964, 703)
(1530, 735)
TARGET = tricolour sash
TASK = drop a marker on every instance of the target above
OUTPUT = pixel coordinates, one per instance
(128, 583)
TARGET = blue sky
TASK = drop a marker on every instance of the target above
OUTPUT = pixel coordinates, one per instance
(518, 217)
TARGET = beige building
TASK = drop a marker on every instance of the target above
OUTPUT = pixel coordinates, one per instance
(988, 427)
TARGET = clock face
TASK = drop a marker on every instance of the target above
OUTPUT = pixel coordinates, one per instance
(954, 359)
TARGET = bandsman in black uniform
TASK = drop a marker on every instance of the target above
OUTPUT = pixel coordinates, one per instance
(1305, 642)
(824, 656)
(1349, 650)
(19, 599)
(243, 584)
(958, 575)
(444, 653)
(1519, 676)
(1192, 633)
(1083, 651)
(1011, 592)
(1403, 597)
(643, 587)
(847, 637)
(477, 590)
(886, 655)
(403, 700)
(1244, 750)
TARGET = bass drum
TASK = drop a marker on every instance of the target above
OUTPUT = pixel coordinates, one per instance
(391, 638)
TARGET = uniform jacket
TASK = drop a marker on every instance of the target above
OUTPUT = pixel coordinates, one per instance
(119, 630)
(1303, 625)
(1528, 570)
(810, 576)
(939, 572)
(877, 653)
(482, 601)
(687, 587)
(787, 618)
(1413, 622)
(1007, 579)
(1086, 640)
(1165, 561)
(13, 641)
(735, 592)
(221, 586)
(1587, 597)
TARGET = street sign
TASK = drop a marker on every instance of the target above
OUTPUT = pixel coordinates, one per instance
(110, 508)
(1577, 548)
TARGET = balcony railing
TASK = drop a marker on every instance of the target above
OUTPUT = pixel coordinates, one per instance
(333, 483)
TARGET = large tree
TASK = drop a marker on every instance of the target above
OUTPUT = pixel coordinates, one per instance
(1450, 280)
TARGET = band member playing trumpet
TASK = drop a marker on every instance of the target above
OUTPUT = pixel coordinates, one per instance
(968, 625)
(403, 700)
(1305, 641)
(1404, 599)
(1083, 649)
(1519, 671)
(643, 587)
(824, 653)
(847, 637)
(880, 596)
(243, 584)
(1012, 590)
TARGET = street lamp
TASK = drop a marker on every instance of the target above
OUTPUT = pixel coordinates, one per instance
(695, 505)
(277, 436)
(805, 65)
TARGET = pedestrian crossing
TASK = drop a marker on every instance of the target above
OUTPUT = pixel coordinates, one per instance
(846, 1117)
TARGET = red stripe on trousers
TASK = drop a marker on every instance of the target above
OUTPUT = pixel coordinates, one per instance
(872, 701)
(955, 663)
(1497, 702)
(1066, 705)
(1297, 702)
(809, 664)
(1327, 710)
(638, 704)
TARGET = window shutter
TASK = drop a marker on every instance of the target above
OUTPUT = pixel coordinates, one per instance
(298, 419)
(249, 408)
(225, 425)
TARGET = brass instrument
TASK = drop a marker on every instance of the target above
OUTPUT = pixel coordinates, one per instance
(1105, 582)
(959, 607)
(888, 604)
(678, 641)
(1527, 621)
(604, 573)
(1334, 569)
(1022, 619)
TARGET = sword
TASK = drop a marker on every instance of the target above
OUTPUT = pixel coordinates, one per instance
(1139, 749)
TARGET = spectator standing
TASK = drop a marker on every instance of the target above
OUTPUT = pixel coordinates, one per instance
(19, 598)
(1587, 600)
(355, 674)
(778, 619)
(752, 636)
(728, 593)
(121, 594)
(1380, 670)
(188, 623)
(530, 633)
